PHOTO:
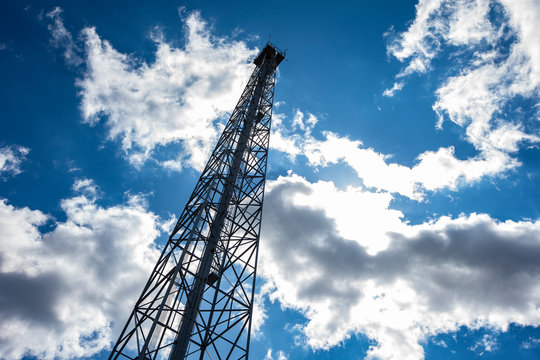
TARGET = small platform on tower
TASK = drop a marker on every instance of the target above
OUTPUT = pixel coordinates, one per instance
(269, 52)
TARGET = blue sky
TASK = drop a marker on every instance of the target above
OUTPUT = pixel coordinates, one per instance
(400, 219)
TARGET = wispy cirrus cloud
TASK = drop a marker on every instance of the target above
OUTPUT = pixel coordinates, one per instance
(487, 343)
(436, 24)
(497, 47)
(62, 38)
(530, 343)
(11, 158)
(395, 88)
(502, 41)
(280, 355)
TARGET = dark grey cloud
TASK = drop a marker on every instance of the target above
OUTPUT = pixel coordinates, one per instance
(434, 277)
(66, 294)
(31, 298)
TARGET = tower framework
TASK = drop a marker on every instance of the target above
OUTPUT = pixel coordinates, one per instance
(198, 301)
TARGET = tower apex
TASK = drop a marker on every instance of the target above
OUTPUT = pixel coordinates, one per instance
(270, 51)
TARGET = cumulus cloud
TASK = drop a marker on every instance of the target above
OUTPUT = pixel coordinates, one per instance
(176, 103)
(177, 100)
(11, 158)
(433, 169)
(67, 292)
(370, 272)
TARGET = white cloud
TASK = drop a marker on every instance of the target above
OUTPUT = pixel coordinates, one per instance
(488, 343)
(11, 158)
(62, 38)
(475, 96)
(350, 264)
(88, 187)
(175, 101)
(413, 44)
(441, 168)
(530, 343)
(434, 169)
(301, 123)
(283, 140)
(280, 355)
(468, 23)
(66, 293)
(491, 78)
(440, 22)
(441, 343)
(395, 88)
(259, 315)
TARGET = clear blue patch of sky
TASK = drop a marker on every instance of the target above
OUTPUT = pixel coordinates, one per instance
(462, 344)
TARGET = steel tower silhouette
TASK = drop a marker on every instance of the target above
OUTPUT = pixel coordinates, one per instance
(198, 301)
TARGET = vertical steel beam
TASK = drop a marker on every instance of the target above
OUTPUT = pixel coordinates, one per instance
(195, 296)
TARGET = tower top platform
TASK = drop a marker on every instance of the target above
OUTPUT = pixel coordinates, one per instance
(270, 51)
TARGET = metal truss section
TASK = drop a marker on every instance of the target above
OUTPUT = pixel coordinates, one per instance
(198, 301)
